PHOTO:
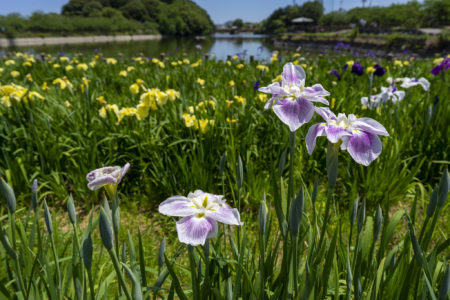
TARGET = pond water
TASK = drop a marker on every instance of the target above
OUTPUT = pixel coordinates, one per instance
(219, 45)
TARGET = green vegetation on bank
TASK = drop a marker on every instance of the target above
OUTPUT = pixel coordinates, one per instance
(414, 14)
(178, 17)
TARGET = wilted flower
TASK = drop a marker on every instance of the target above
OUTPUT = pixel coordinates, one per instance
(359, 136)
(109, 177)
(291, 101)
(200, 211)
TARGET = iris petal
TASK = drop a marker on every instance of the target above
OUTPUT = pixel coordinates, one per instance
(177, 206)
(370, 125)
(364, 147)
(293, 74)
(313, 132)
(194, 231)
(294, 113)
(225, 214)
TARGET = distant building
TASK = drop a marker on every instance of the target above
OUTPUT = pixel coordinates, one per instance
(301, 23)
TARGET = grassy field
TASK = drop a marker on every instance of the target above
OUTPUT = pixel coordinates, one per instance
(186, 123)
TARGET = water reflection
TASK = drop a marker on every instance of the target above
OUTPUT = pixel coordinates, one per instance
(220, 45)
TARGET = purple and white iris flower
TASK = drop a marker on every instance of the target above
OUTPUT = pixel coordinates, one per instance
(291, 101)
(359, 136)
(200, 211)
(407, 82)
(109, 177)
(387, 93)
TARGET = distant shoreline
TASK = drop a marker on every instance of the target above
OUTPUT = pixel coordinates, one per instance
(41, 41)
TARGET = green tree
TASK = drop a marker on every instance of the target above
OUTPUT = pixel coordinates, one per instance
(313, 10)
(74, 7)
(437, 12)
(92, 9)
(135, 10)
(109, 12)
(238, 23)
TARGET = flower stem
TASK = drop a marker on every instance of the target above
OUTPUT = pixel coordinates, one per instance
(119, 272)
(16, 261)
(193, 272)
(55, 257)
(292, 138)
(332, 171)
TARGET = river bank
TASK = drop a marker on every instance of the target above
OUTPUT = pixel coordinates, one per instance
(41, 41)
(378, 45)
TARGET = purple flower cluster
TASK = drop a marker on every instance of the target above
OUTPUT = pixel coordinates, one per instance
(342, 45)
(379, 70)
(335, 73)
(358, 69)
(256, 85)
(443, 66)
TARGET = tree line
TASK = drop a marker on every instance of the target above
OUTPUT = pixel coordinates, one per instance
(414, 14)
(170, 17)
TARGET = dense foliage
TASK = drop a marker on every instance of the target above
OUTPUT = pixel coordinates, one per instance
(414, 14)
(179, 17)
(314, 226)
(55, 24)
(411, 15)
(174, 17)
(280, 20)
(97, 98)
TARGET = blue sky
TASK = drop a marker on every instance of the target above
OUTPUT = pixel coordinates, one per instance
(220, 11)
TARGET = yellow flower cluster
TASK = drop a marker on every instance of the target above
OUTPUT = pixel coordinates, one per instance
(263, 68)
(190, 120)
(158, 62)
(400, 63)
(370, 70)
(63, 83)
(18, 93)
(196, 64)
(150, 99)
(202, 124)
(201, 82)
(274, 57)
(111, 61)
